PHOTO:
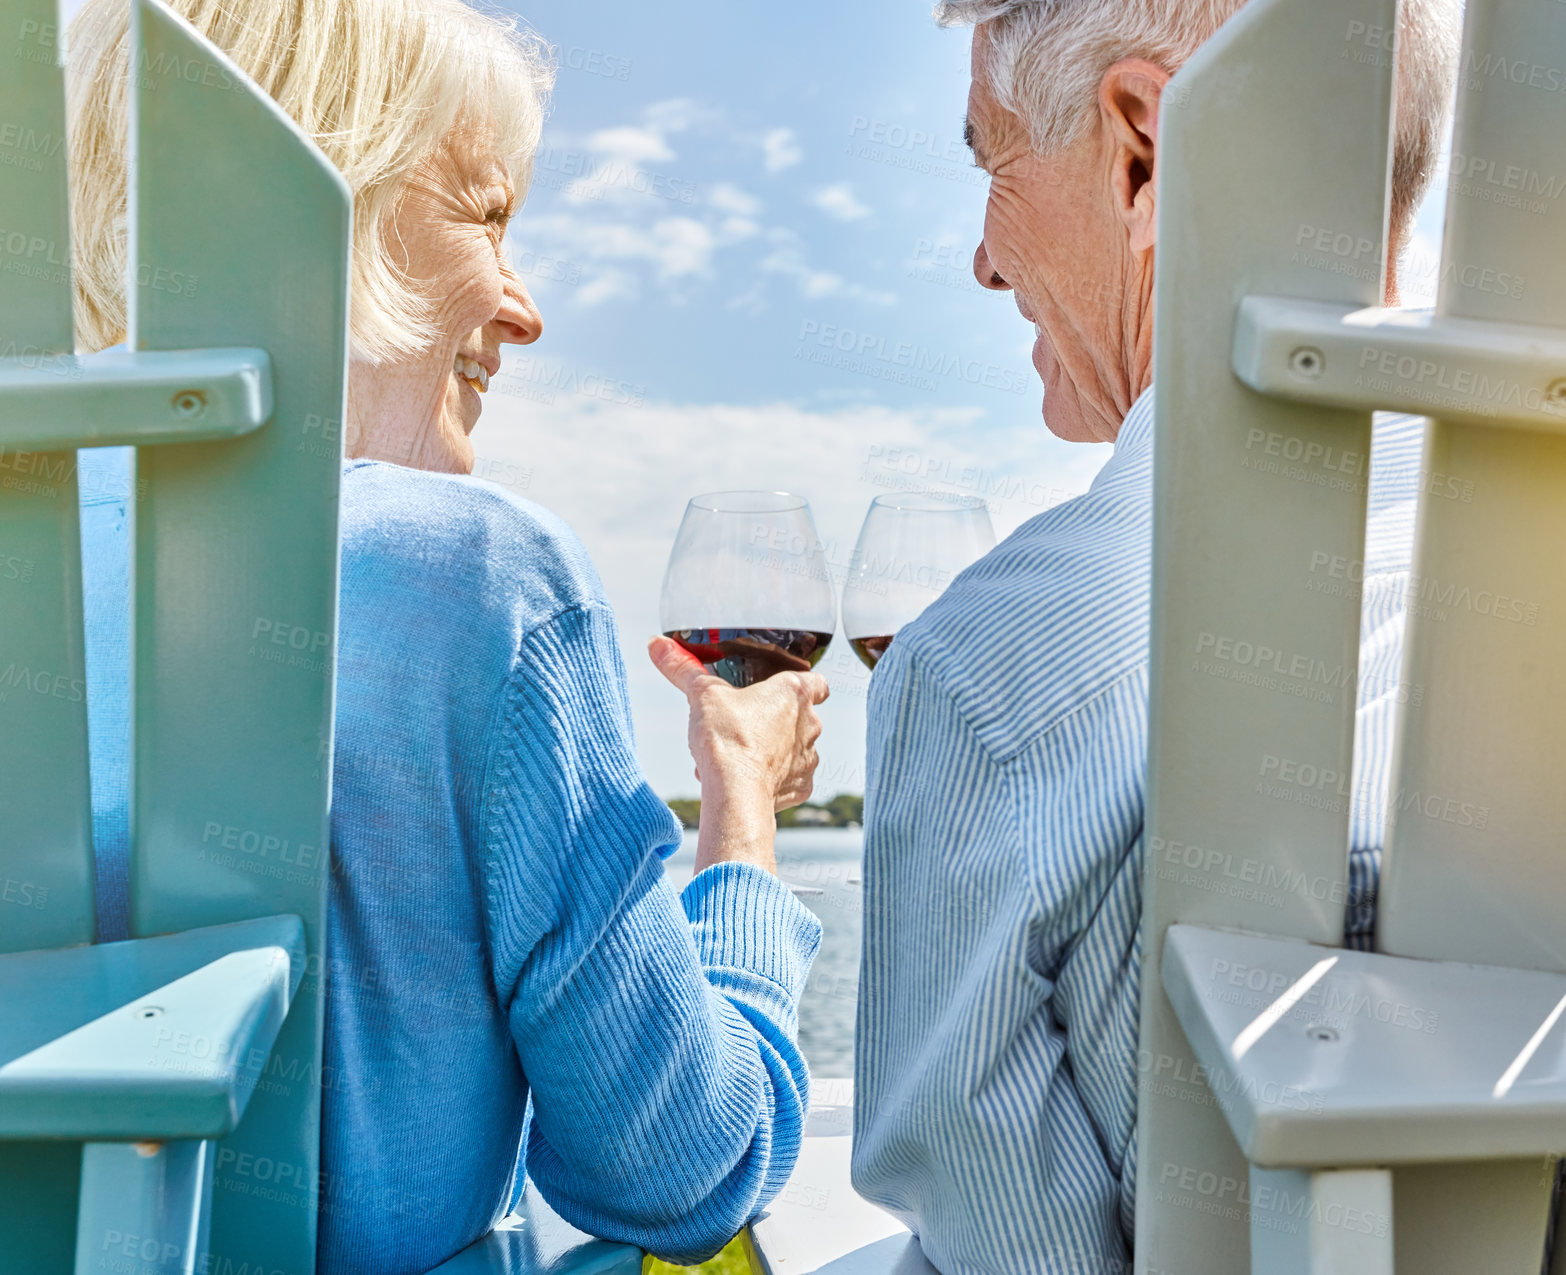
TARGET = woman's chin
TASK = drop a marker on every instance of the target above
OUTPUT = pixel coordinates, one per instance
(456, 448)
(447, 447)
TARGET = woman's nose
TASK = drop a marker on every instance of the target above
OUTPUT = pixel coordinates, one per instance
(518, 318)
(987, 275)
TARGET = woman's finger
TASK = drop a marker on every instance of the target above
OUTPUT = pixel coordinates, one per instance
(683, 670)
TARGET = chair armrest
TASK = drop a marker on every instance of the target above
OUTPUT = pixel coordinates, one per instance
(152, 1039)
(819, 1222)
(535, 1240)
(1324, 1057)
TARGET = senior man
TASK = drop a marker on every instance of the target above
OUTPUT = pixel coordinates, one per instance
(997, 1035)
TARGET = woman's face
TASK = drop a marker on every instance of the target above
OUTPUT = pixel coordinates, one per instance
(449, 236)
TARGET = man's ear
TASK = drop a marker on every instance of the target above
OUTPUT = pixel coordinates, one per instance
(1128, 100)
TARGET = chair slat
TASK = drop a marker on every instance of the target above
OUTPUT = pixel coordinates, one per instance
(35, 286)
(1275, 135)
(45, 804)
(1474, 868)
(46, 864)
(236, 577)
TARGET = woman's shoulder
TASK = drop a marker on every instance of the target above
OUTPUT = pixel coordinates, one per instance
(413, 528)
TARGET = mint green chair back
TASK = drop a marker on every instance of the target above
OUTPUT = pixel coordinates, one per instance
(239, 246)
(235, 581)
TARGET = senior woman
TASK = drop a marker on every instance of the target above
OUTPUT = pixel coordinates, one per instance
(497, 853)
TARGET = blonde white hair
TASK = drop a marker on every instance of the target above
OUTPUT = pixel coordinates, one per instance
(1045, 59)
(379, 85)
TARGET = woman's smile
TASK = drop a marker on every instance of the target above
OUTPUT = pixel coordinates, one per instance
(471, 370)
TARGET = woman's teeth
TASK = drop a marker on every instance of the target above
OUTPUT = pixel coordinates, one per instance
(473, 372)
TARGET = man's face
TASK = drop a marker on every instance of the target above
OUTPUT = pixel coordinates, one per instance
(1052, 239)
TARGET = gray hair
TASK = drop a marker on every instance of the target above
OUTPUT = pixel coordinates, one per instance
(1046, 58)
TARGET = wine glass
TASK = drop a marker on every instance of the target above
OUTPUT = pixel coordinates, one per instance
(910, 548)
(747, 591)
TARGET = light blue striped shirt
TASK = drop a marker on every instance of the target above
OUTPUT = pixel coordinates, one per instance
(997, 1035)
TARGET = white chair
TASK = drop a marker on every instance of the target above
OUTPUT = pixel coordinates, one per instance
(1402, 1110)
(1417, 1128)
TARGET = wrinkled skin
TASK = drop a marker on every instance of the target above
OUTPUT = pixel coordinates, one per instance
(448, 234)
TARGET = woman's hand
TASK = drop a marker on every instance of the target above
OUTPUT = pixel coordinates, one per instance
(755, 752)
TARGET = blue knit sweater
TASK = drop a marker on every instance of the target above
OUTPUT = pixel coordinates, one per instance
(500, 924)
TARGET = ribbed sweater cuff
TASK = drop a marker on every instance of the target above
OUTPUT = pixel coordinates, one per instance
(744, 918)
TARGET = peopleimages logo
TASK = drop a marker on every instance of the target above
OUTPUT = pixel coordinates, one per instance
(1272, 1207)
(27, 148)
(1329, 1001)
(1518, 70)
(1220, 872)
(1512, 177)
(1272, 668)
(916, 360)
(1327, 788)
(1426, 596)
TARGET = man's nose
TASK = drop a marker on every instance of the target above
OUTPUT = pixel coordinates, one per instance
(987, 275)
(518, 318)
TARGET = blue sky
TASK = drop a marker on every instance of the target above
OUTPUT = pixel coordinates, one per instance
(747, 220)
(725, 201)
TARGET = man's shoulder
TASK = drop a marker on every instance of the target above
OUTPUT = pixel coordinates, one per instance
(475, 543)
(1048, 620)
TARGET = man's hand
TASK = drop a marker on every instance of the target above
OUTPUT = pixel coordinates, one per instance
(755, 751)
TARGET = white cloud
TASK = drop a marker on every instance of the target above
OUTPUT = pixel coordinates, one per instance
(620, 475)
(676, 115)
(734, 229)
(634, 221)
(787, 258)
(682, 247)
(780, 150)
(647, 142)
(731, 199)
(839, 201)
(631, 145)
(608, 284)
(812, 283)
(673, 246)
(630, 163)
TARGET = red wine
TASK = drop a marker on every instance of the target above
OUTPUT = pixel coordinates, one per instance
(743, 657)
(870, 649)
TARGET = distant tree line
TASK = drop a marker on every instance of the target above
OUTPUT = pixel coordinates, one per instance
(846, 810)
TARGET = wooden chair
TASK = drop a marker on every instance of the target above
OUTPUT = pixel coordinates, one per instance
(1303, 1108)
(160, 1098)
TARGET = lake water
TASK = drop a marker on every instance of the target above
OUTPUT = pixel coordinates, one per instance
(828, 860)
